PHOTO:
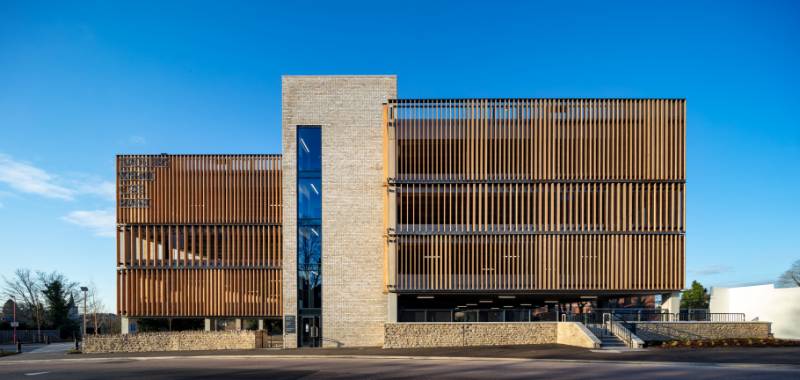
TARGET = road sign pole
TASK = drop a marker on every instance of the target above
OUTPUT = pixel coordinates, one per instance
(85, 291)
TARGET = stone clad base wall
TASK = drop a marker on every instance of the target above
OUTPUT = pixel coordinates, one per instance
(415, 335)
(171, 341)
(660, 331)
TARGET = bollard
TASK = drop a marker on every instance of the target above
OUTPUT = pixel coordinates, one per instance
(19, 347)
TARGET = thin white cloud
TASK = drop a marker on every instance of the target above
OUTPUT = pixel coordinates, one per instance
(27, 178)
(105, 189)
(101, 222)
(94, 186)
(137, 140)
(711, 270)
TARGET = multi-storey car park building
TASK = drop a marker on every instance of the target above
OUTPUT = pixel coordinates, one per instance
(384, 210)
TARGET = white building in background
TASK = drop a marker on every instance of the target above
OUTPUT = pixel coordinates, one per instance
(763, 303)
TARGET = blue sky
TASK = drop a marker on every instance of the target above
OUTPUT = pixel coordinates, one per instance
(82, 82)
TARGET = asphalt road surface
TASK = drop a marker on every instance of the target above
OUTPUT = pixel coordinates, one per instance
(282, 367)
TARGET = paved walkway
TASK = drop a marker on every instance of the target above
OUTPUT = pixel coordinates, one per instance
(53, 348)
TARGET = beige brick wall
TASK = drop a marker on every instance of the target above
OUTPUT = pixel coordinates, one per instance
(349, 110)
(171, 341)
(659, 331)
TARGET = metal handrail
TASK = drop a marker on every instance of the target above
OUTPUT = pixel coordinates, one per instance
(622, 330)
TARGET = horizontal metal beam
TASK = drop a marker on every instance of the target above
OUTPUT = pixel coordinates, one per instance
(394, 181)
(166, 267)
(534, 292)
(484, 233)
(123, 225)
(509, 100)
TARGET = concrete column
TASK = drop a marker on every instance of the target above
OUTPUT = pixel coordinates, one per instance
(238, 324)
(391, 315)
(671, 302)
(260, 325)
(207, 324)
(125, 325)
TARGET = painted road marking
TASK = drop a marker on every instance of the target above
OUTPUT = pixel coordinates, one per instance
(35, 373)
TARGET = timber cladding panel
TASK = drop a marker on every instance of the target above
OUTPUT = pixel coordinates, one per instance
(199, 189)
(538, 194)
(199, 235)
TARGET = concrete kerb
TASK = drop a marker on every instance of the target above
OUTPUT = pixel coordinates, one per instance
(432, 358)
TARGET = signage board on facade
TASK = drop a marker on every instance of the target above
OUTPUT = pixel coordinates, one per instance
(134, 175)
(289, 324)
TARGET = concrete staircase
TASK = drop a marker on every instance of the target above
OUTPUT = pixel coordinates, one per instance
(611, 342)
(608, 341)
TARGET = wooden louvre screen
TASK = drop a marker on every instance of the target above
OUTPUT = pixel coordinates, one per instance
(200, 246)
(205, 189)
(540, 262)
(540, 139)
(538, 194)
(199, 236)
(541, 207)
(207, 292)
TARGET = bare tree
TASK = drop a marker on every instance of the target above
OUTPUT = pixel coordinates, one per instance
(27, 290)
(95, 307)
(791, 277)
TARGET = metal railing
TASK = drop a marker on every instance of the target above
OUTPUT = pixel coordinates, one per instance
(621, 330)
(638, 315)
(651, 315)
(700, 315)
(476, 315)
(626, 316)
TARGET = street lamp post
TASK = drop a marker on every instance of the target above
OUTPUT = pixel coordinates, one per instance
(14, 334)
(84, 290)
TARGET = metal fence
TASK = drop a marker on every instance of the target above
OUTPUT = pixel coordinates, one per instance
(652, 315)
(594, 316)
(30, 336)
(475, 315)
(706, 316)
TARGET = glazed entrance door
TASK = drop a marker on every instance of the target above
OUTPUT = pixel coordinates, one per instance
(310, 332)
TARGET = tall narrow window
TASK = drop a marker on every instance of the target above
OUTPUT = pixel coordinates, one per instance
(309, 234)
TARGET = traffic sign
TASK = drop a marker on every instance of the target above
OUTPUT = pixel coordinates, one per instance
(14, 324)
